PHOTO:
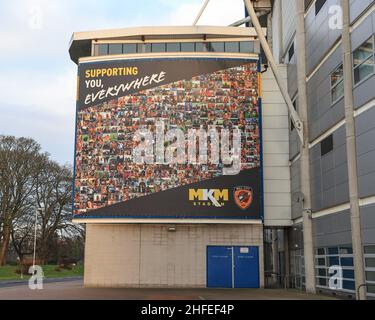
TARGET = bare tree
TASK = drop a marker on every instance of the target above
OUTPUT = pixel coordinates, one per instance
(54, 194)
(20, 164)
(22, 235)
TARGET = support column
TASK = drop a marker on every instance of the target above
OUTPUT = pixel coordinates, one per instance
(305, 153)
(352, 155)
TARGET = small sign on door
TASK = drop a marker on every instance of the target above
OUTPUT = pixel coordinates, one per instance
(244, 250)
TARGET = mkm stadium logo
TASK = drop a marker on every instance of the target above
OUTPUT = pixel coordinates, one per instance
(209, 197)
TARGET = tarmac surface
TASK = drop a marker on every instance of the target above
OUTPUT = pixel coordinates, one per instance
(68, 289)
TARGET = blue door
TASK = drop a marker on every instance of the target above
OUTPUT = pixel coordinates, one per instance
(246, 267)
(219, 267)
(232, 267)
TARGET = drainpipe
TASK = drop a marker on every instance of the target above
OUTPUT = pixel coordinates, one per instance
(352, 155)
(304, 150)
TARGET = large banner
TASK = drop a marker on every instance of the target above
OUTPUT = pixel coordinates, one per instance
(168, 138)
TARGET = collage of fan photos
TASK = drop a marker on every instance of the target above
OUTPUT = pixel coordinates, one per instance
(105, 173)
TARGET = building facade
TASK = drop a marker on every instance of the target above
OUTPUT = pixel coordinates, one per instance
(139, 252)
(124, 246)
(332, 238)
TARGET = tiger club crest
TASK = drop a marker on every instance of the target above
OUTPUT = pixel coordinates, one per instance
(243, 196)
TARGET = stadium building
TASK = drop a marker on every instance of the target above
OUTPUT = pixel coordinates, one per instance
(284, 216)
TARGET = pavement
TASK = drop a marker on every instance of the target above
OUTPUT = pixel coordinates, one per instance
(68, 289)
(14, 283)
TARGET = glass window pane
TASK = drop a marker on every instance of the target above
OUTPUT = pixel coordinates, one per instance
(370, 262)
(216, 47)
(247, 46)
(347, 262)
(333, 250)
(187, 47)
(321, 262)
(337, 75)
(346, 250)
(338, 92)
(201, 47)
(115, 48)
(144, 47)
(364, 70)
(173, 47)
(348, 285)
(322, 282)
(232, 47)
(322, 272)
(371, 288)
(334, 261)
(321, 252)
(370, 249)
(158, 47)
(363, 52)
(348, 274)
(326, 146)
(101, 49)
(370, 276)
(130, 48)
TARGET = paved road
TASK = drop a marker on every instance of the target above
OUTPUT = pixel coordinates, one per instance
(74, 290)
(16, 283)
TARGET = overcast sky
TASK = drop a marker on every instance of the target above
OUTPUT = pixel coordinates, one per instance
(37, 78)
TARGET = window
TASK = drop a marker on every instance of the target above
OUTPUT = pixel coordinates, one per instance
(216, 47)
(291, 52)
(335, 256)
(333, 250)
(337, 84)
(201, 47)
(115, 48)
(187, 46)
(101, 50)
(246, 47)
(370, 276)
(370, 269)
(326, 146)
(347, 262)
(348, 285)
(363, 61)
(370, 250)
(130, 48)
(232, 47)
(173, 47)
(319, 5)
(158, 47)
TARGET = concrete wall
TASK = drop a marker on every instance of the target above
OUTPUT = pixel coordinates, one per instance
(125, 255)
(275, 124)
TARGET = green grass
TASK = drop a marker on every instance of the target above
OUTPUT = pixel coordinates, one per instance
(9, 272)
